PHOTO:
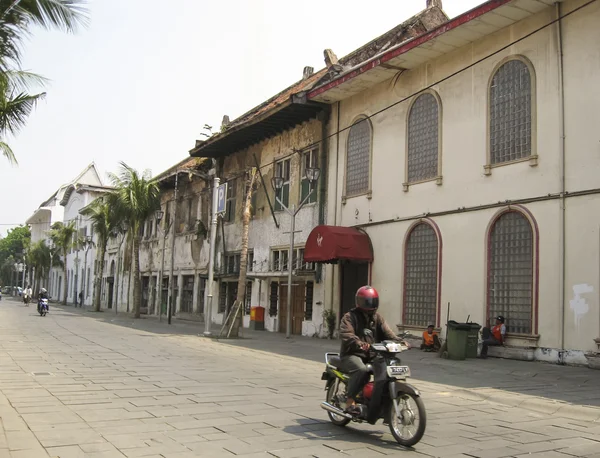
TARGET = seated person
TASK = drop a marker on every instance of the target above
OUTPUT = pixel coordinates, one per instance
(494, 336)
(431, 341)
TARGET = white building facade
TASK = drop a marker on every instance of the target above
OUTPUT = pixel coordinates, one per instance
(470, 160)
(52, 211)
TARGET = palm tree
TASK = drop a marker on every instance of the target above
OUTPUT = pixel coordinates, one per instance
(39, 257)
(16, 20)
(106, 221)
(138, 198)
(62, 235)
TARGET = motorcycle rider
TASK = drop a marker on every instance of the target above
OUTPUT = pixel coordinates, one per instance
(359, 328)
(42, 295)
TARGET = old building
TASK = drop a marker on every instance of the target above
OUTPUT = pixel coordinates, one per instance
(469, 157)
(82, 256)
(175, 236)
(280, 137)
(52, 211)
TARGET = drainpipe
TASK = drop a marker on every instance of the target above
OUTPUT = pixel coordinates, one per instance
(324, 118)
(336, 199)
(562, 229)
(170, 303)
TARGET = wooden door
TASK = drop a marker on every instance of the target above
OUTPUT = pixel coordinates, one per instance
(298, 301)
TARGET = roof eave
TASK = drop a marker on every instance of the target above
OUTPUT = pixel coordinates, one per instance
(285, 116)
(404, 47)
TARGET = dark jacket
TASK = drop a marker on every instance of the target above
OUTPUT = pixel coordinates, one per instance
(352, 332)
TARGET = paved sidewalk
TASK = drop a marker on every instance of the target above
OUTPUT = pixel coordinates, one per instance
(82, 384)
(574, 392)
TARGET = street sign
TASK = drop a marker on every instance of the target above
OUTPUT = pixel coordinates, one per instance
(222, 198)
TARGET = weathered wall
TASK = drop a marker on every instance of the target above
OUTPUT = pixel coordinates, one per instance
(264, 235)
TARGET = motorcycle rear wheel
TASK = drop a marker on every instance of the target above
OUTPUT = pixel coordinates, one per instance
(332, 391)
(408, 429)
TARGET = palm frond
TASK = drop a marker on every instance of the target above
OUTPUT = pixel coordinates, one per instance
(14, 111)
(23, 80)
(66, 15)
(7, 152)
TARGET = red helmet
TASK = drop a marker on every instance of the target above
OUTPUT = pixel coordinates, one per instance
(367, 299)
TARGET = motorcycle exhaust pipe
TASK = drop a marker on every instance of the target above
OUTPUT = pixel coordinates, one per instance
(333, 409)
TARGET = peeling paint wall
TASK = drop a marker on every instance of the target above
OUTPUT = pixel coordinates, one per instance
(263, 234)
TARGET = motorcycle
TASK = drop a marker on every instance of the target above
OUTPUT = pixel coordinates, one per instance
(26, 299)
(386, 397)
(43, 307)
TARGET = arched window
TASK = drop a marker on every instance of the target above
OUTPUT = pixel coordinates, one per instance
(421, 276)
(510, 112)
(358, 161)
(423, 139)
(510, 271)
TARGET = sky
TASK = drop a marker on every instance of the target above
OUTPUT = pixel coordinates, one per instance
(139, 83)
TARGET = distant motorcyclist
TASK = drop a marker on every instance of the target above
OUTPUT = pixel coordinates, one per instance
(42, 295)
(359, 328)
(27, 295)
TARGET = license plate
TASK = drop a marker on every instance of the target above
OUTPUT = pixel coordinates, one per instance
(398, 371)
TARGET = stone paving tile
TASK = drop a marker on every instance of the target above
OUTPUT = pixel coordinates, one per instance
(174, 395)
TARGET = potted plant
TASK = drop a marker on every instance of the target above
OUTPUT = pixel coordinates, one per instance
(329, 317)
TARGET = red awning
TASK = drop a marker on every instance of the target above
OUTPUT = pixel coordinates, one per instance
(335, 243)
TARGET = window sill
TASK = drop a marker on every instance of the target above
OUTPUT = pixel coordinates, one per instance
(533, 162)
(438, 180)
(368, 193)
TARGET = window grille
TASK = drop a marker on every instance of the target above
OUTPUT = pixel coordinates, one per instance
(421, 277)
(273, 298)
(510, 274)
(308, 310)
(201, 291)
(187, 295)
(309, 160)
(248, 302)
(423, 139)
(230, 201)
(283, 169)
(510, 113)
(358, 161)
(222, 297)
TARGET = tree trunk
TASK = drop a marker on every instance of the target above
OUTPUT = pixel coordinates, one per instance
(137, 287)
(65, 275)
(246, 217)
(99, 274)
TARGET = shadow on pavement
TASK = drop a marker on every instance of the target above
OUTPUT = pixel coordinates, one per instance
(576, 385)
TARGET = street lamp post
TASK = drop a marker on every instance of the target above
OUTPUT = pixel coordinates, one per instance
(312, 174)
(50, 290)
(24, 268)
(158, 299)
(124, 228)
(211, 258)
(86, 279)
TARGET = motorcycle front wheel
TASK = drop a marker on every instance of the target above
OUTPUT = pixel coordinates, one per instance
(332, 392)
(408, 424)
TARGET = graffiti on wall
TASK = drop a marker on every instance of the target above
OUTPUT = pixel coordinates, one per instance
(578, 303)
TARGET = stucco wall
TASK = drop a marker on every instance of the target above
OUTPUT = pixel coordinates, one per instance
(464, 108)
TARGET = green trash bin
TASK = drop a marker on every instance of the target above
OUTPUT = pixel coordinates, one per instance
(472, 339)
(457, 340)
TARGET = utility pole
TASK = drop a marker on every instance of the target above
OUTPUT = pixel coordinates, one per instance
(211, 257)
(170, 302)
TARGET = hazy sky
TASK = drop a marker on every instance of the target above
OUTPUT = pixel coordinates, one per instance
(139, 84)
